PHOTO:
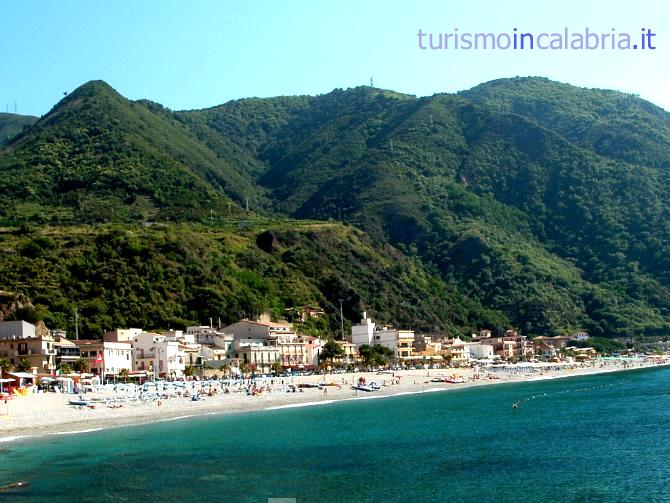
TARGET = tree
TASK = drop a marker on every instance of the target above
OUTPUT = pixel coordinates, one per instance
(367, 352)
(378, 355)
(276, 367)
(123, 374)
(5, 365)
(65, 368)
(383, 355)
(24, 365)
(189, 370)
(244, 368)
(330, 351)
(81, 365)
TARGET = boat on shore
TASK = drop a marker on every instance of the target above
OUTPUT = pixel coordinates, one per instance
(373, 386)
(452, 379)
(82, 403)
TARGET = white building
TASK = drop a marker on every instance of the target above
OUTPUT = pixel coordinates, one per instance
(367, 332)
(155, 352)
(16, 329)
(210, 336)
(478, 351)
(363, 332)
(258, 354)
(117, 356)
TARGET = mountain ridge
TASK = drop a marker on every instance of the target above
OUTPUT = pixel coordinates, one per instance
(541, 204)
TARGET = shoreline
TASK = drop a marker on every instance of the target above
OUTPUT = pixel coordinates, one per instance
(42, 415)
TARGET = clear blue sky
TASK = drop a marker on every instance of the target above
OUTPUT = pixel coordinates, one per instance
(194, 54)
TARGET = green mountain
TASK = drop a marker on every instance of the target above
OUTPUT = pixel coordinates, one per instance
(98, 157)
(13, 124)
(553, 233)
(615, 125)
(171, 275)
(520, 202)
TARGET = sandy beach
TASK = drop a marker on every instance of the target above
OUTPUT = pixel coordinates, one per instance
(50, 413)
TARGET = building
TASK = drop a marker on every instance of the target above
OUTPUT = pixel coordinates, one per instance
(220, 342)
(122, 334)
(401, 342)
(405, 344)
(427, 344)
(254, 342)
(67, 352)
(558, 342)
(158, 354)
(38, 352)
(106, 358)
(479, 351)
(303, 313)
(258, 354)
(350, 353)
(17, 329)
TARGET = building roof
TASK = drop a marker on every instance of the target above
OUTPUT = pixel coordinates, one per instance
(22, 375)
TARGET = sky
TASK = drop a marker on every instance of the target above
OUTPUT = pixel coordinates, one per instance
(197, 54)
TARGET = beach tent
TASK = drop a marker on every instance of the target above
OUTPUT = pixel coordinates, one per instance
(66, 384)
(21, 377)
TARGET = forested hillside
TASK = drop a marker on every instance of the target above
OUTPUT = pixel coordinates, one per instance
(522, 202)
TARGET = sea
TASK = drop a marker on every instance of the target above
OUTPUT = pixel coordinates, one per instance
(597, 438)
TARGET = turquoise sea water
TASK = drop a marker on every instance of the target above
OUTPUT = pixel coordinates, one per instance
(599, 438)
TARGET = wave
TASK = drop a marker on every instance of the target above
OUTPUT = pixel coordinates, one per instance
(301, 404)
(76, 432)
(176, 418)
(14, 438)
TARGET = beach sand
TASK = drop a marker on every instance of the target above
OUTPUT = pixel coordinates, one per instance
(50, 413)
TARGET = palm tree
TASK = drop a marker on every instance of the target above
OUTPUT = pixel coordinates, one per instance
(81, 365)
(5, 365)
(65, 368)
(123, 374)
(24, 365)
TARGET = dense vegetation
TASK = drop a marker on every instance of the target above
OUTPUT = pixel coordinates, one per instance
(520, 202)
(12, 124)
(171, 275)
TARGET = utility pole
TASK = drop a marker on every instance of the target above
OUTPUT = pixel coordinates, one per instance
(341, 320)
